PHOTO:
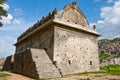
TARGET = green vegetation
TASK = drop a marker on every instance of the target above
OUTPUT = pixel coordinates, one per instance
(3, 12)
(111, 69)
(85, 79)
(114, 54)
(3, 75)
(104, 56)
(86, 73)
(112, 41)
(0, 69)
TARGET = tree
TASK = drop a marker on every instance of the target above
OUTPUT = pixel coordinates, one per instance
(2, 11)
(104, 56)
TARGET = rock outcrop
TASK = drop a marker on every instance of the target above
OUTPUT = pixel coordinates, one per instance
(109, 51)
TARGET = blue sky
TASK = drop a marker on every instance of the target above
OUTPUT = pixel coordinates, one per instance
(24, 13)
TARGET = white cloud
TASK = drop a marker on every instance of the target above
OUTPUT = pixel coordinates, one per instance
(109, 1)
(12, 18)
(5, 6)
(17, 12)
(6, 48)
(109, 25)
(8, 36)
(6, 20)
(18, 21)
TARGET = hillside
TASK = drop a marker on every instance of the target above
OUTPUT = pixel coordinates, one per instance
(109, 49)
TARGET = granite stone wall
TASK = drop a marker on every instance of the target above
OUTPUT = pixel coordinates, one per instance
(35, 63)
(75, 51)
(42, 39)
(24, 64)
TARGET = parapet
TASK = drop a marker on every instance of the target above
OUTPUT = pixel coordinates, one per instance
(44, 19)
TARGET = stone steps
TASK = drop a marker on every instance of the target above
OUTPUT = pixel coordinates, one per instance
(44, 65)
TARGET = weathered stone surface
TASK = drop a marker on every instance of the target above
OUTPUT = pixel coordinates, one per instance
(35, 63)
(8, 64)
(63, 44)
(44, 66)
(24, 64)
(71, 13)
(2, 60)
(75, 51)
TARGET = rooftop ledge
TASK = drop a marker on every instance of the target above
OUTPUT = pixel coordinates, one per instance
(76, 26)
(61, 22)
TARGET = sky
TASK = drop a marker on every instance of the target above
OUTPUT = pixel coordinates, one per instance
(22, 14)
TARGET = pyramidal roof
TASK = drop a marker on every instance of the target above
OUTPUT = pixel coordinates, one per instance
(73, 14)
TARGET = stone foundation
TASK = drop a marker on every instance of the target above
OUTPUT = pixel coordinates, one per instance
(8, 64)
(35, 63)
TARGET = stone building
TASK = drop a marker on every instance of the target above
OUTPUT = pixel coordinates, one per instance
(8, 63)
(60, 43)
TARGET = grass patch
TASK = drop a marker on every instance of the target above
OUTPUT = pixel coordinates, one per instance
(111, 69)
(86, 73)
(85, 79)
(4, 75)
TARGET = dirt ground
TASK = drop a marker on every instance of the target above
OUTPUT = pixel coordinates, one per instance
(90, 77)
(14, 76)
(70, 77)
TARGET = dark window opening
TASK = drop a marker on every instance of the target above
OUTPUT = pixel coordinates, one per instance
(90, 62)
(69, 61)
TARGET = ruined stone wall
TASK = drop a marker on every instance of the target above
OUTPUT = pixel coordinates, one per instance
(75, 51)
(24, 64)
(8, 64)
(42, 39)
(35, 63)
